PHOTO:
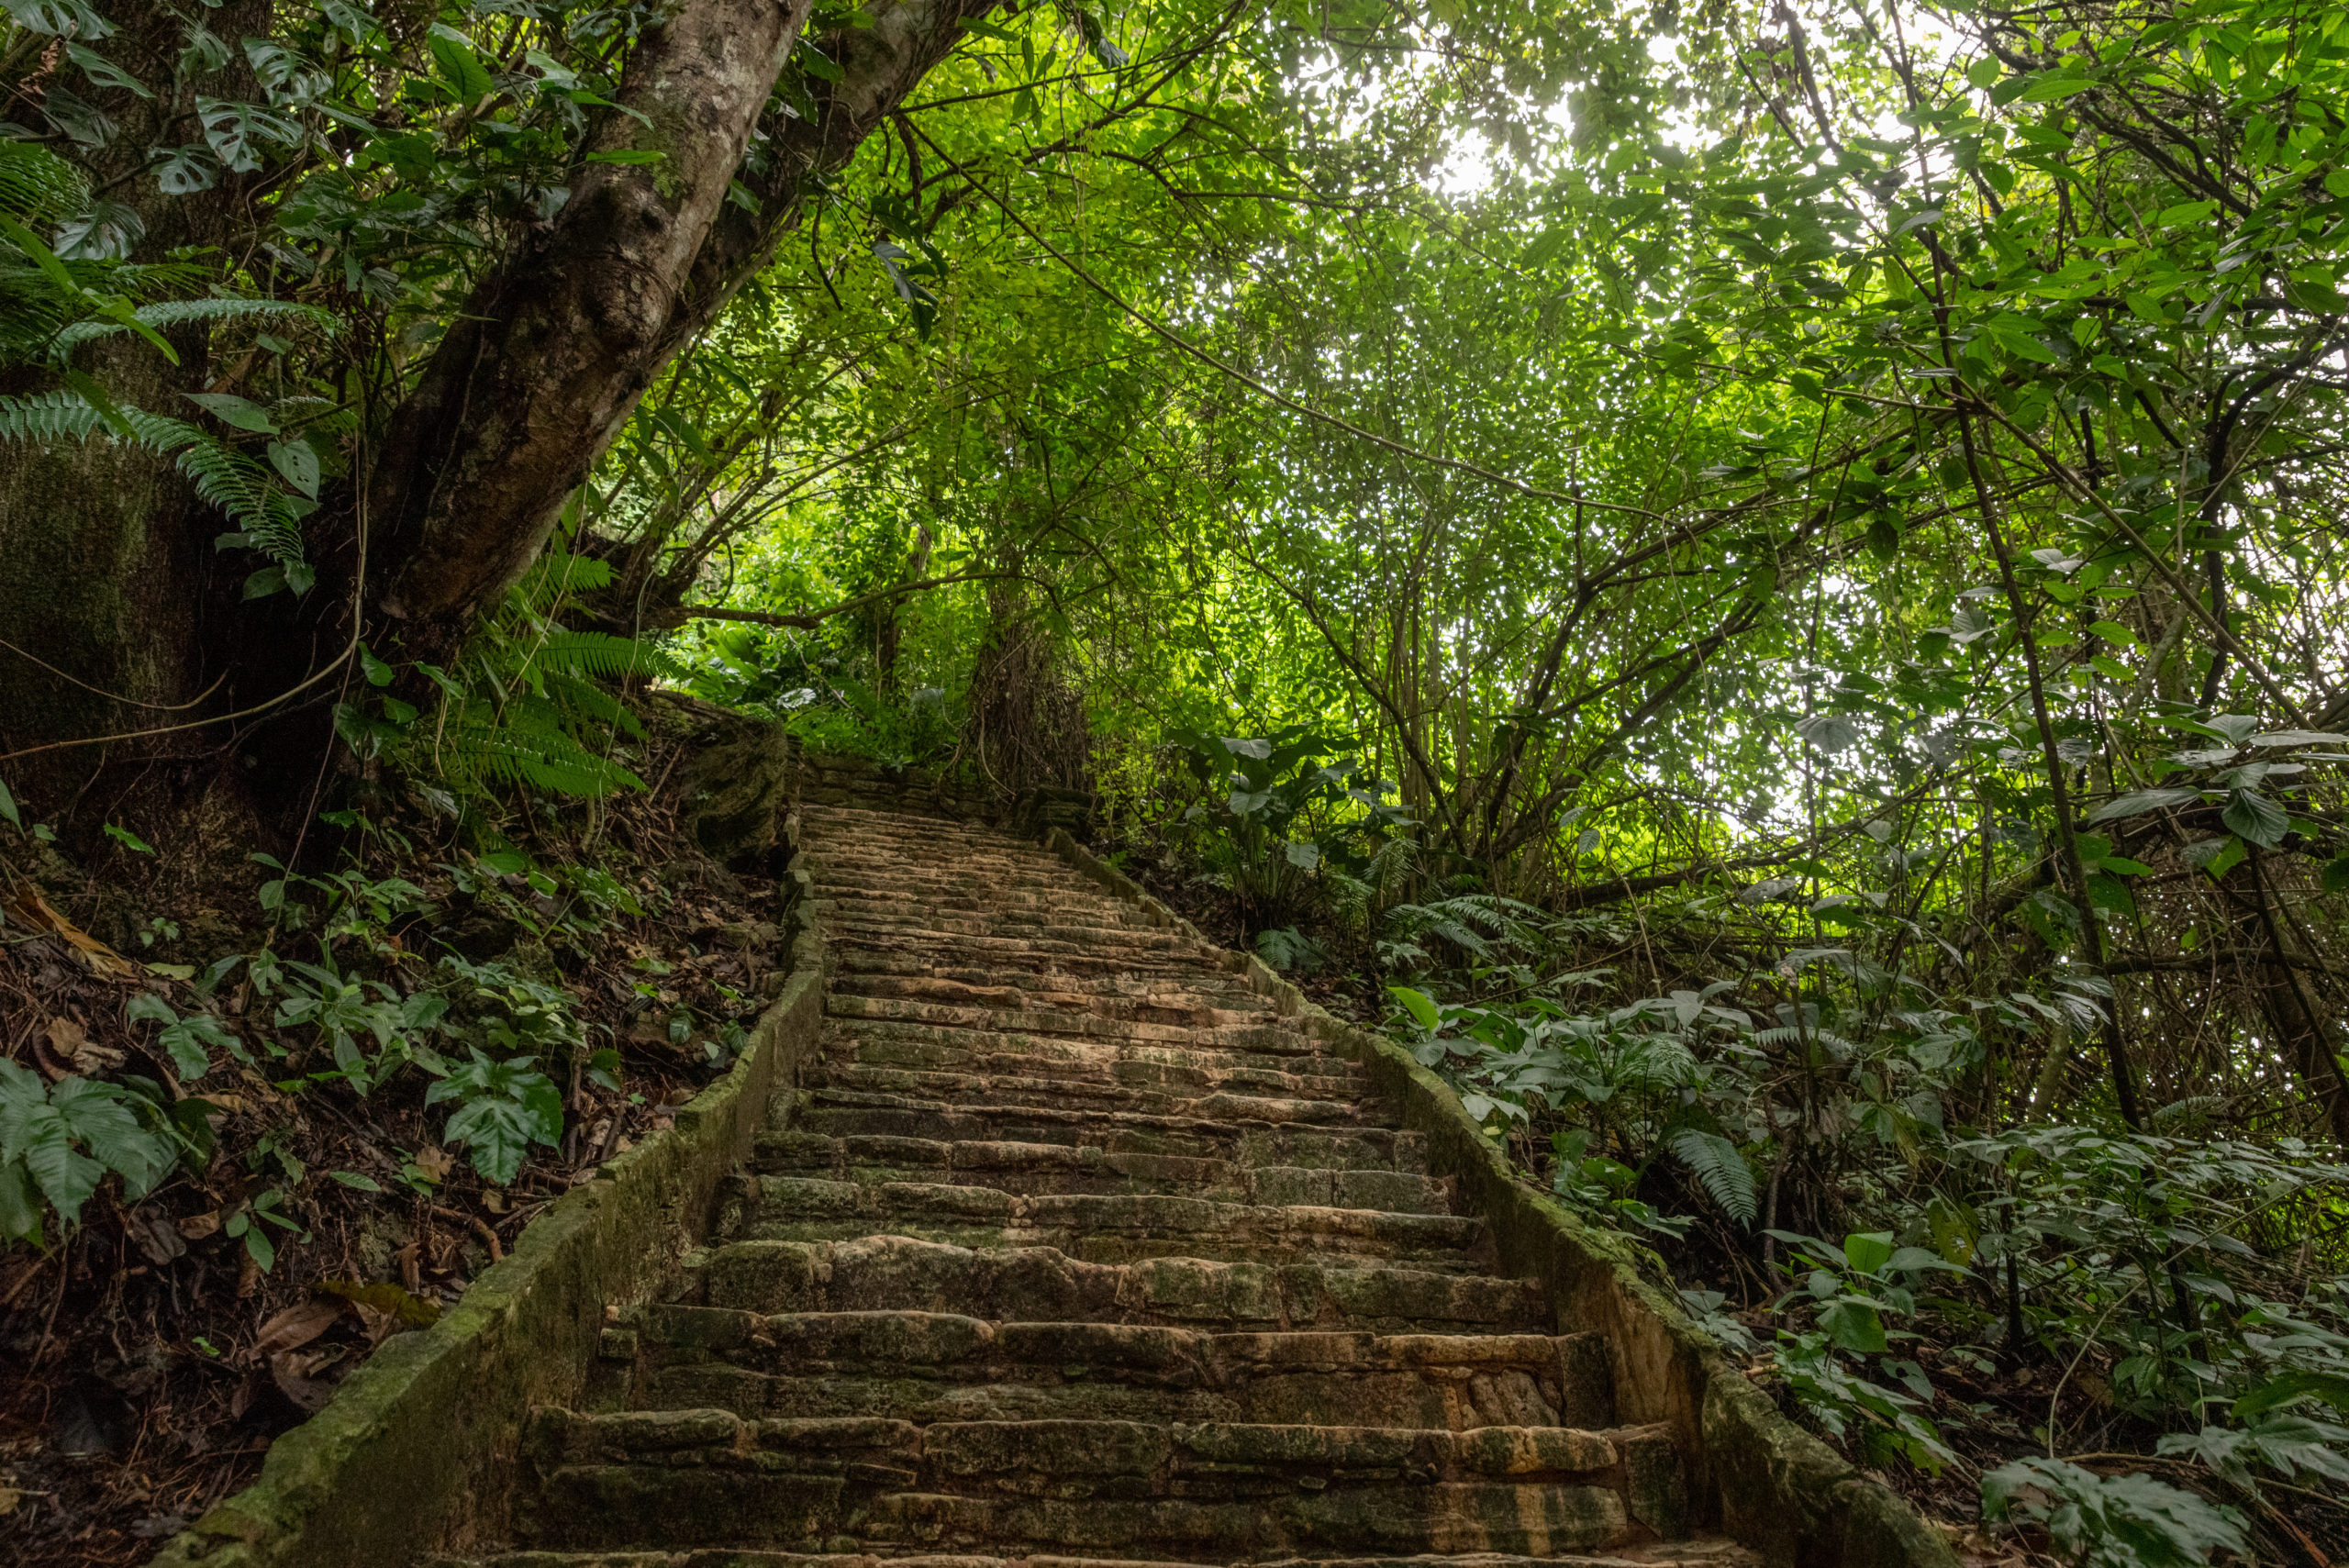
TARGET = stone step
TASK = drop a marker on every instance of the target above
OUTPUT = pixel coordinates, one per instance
(926, 1367)
(946, 930)
(1248, 1034)
(1044, 1285)
(937, 1062)
(1030, 1168)
(983, 891)
(1102, 1227)
(1172, 1005)
(930, 1044)
(1081, 972)
(879, 1088)
(1185, 979)
(1262, 1140)
(1705, 1552)
(708, 1477)
(1138, 951)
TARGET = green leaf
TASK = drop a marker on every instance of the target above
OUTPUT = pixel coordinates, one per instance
(628, 155)
(2335, 875)
(2257, 817)
(231, 409)
(1867, 1251)
(353, 1179)
(128, 839)
(1421, 1005)
(2138, 802)
(8, 808)
(460, 66)
(297, 462)
(1853, 1324)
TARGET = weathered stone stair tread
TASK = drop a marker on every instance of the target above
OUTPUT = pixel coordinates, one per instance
(1238, 1100)
(705, 1476)
(1108, 1227)
(1045, 1284)
(879, 1089)
(976, 990)
(1701, 1553)
(1239, 1035)
(1019, 1167)
(927, 1366)
(1271, 1045)
(943, 1047)
(846, 1113)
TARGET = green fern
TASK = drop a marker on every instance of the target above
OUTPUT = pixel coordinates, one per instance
(48, 417)
(1720, 1170)
(599, 655)
(267, 516)
(36, 187)
(163, 314)
(527, 745)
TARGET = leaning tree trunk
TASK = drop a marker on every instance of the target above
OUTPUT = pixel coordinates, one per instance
(529, 387)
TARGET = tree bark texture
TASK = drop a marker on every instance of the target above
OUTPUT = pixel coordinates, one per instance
(105, 548)
(530, 388)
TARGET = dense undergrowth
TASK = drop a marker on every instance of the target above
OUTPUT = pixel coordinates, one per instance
(259, 1121)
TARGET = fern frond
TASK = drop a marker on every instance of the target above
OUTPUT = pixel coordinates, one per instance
(528, 746)
(588, 697)
(45, 416)
(601, 655)
(36, 187)
(235, 481)
(319, 416)
(166, 314)
(1720, 1170)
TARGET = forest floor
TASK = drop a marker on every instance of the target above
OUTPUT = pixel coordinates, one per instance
(151, 1354)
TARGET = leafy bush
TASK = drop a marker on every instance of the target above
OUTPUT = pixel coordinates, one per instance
(59, 1141)
(2117, 1521)
(503, 1108)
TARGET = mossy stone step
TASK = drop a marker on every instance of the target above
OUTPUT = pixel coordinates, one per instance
(1045, 1284)
(924, 1367)
(1030, 1168)
(848, 1113)
(704, 1476)
(1104, 1228)
(891, 1043)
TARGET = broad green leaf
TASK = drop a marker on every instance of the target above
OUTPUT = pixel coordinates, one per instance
(2255, 818)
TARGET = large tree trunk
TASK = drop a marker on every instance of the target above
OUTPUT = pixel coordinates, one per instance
(530, 386)
(104, 550)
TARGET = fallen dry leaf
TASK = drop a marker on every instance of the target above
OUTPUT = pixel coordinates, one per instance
(435, 1162)
(291, 1373)
(26, 904)
(297, 1326)
(156, 1236)
(197, 1227)
(386, 1298)
(71, 1042)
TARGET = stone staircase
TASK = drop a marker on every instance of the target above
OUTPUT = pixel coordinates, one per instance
(1068, 1249)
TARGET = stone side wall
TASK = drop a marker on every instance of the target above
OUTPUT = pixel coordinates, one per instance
(820, 780)
(1770, 1484)
(416, 1451)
